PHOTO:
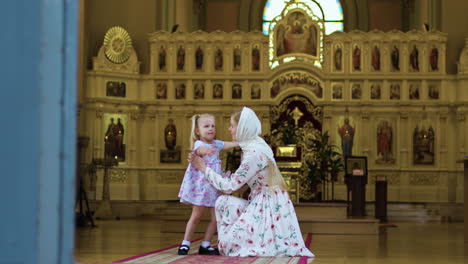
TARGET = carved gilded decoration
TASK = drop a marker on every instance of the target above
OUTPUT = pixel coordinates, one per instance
(276, 111)
(369, 73)
(296, 79)
(296, 34)
(424, 179)
(117, 175)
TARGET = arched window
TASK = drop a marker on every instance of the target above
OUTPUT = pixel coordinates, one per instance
(330, 11)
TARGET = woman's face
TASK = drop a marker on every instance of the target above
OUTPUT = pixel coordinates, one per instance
(233, 129)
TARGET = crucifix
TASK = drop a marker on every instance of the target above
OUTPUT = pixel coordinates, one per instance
(296, 115)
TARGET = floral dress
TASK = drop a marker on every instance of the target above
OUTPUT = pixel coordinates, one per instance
(195, 189)
(266, 224)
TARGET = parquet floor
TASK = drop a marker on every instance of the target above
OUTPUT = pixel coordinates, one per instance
(406, 243)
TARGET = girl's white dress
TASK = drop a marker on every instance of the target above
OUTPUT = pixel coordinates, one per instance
(266, 224)
(195, 189)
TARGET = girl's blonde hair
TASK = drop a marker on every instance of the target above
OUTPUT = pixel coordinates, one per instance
(193, 136)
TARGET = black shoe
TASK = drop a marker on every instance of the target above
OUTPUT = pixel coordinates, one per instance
(183, 250)
(208, 251)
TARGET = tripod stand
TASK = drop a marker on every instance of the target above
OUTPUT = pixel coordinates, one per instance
(83, 218)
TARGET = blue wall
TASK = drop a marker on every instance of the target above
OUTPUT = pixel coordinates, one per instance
(38, 117)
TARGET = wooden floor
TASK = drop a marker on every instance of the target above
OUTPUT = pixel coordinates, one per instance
(408, 242)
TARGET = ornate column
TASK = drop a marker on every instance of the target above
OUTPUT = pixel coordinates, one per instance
(189, 90)
(228, 59)
(460, 150)
(208, 89)
(461, 128)
(405, 143)
(208, 58)
(442, 138)
(158, 137)
(135, 116)
(404, 60)
(327, 124)
(152, 142)
(245, 59)
(190, 57)
(171, 56)
(153, 62)
(365, 128)
(98, 137)
(405, 159)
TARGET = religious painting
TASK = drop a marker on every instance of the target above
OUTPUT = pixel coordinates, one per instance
(172, 152)
(423, 144)
(180, 58)
(180, 91)
(161, 90)
(337, 91)
(255, 58)
(346, 131)
(395, 91)
(199, 90)
(375, 58)
(162, 59)
(414, 91)
(395, 59)
(255, 92)
(217, 91)
(218, 60)
(385, 139)
(296, 79)
(338, 58)
(356, 58)
(280, 41)
(316, 88)
(199, 59)
(356, 91)
(236, 58)
(236, 91)
(433, 90)
(170, 135)
(414, 59)
(434, 59)
(296, 35)
(375, 91)
(355, 166)
(115, 135)
(116, 89)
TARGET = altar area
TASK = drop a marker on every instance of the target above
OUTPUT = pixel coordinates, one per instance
(406, 114)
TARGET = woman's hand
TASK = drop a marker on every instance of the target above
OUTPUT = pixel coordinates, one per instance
(202, 151)
(197, 161)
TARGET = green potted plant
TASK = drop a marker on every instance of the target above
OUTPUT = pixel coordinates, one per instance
(321, 161)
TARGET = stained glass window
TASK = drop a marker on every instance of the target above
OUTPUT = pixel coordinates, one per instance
(330, 11)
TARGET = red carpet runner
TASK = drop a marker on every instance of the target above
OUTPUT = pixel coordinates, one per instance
(169, 255)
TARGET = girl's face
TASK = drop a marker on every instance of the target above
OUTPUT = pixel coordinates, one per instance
(233, 129)
(206, 129)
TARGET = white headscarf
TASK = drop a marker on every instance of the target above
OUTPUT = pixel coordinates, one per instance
(248, 130)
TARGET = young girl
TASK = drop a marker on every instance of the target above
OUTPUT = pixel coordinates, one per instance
(195, 189)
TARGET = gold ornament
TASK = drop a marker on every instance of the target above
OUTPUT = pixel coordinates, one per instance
(117, 45)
